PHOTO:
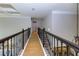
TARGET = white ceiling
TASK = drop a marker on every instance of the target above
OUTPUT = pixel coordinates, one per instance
(41, 9)
(7, 9)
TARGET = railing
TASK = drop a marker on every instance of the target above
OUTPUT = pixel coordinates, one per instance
(77, 40)
(57, 46)
(14, 44)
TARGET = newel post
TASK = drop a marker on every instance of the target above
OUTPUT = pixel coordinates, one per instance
(22, 38)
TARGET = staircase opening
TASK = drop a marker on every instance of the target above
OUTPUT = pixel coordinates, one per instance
(57, 46)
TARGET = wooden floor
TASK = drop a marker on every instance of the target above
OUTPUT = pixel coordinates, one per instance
(33, 47)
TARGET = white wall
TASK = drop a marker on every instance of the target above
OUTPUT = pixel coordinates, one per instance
(10, 25)
(34, 25)
(38, 24)
(63, 25)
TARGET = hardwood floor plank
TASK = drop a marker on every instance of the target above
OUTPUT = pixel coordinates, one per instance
(33, 47)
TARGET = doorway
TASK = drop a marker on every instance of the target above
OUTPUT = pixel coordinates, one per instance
(34, 24)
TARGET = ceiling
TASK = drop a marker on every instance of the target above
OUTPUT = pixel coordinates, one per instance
(7, 9)
(38, 9)
(34, 10)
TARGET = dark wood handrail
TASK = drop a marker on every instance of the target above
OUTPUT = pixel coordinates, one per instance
(65, 41)
(6, 38)
(62, 40)
(11, 42)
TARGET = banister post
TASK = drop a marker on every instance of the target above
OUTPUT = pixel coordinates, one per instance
(38, 31)
(43, 35)
(22, 38)
(28, 32)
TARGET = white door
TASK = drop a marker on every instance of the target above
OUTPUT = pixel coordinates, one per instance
(34, 26)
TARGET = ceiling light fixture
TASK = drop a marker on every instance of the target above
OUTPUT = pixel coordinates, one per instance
(33, 9)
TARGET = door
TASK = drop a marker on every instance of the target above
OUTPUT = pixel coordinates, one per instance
(34, 25)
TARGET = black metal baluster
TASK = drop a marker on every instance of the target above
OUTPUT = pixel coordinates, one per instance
(44, 37)
(25, 35)
(54, 47)
(28, 32)
(14, 46)
(76, 53)
(41, 35)
(61, 48)
(57, 47)
(11, 46)
(3, 49)
(52, 44)
(67, 50)
(7, 47)
(23, 39)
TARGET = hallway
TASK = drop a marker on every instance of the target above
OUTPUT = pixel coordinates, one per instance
(33, 47)
(54, 29)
